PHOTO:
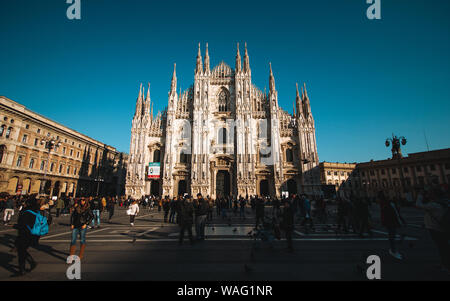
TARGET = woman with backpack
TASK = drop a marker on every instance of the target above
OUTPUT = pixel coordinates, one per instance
(435, 205)
(25, 238)
(79, 220)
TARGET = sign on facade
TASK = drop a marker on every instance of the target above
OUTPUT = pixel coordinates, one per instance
(154, 170)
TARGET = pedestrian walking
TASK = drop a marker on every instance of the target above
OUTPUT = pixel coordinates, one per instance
(186, 219)
(9, 210)
(242, 204)
(436, 220)
(259, 207)
(392, 220)
(166, 208)
(80, 218)
(201, 210)
(133, 211)
(110, 205)
(25, 238)
(95, 205)
(307, 218)
(287, 224)
(59, 206)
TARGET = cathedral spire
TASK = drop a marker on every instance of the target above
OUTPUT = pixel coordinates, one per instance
(246, 60)
(138, 111)
(147, 101)
(305, 98)
(298, 101)
(238, 60)
(206, 59)
(173, 85)
(199, 67)
(271, 80)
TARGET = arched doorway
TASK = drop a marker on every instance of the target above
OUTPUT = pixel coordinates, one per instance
(264, 187)
(222, 183)
(154, 187)
(56, 189)
(291, 186)
(182, 187)
(47, 187)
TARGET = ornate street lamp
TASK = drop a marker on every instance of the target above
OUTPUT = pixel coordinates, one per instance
(396, 141)
(48, 144)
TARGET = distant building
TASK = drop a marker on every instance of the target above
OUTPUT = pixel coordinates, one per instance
(404, 177)
(339, 176)
(223, 136)
(79, 166)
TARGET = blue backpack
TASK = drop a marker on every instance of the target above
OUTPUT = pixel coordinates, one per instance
(40, 227)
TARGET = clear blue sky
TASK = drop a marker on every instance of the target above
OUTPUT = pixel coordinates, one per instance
(366, 79)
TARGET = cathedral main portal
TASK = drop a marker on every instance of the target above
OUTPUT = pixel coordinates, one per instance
(223, 183)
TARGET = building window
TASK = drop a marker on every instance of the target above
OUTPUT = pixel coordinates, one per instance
(406, 170)
(222, 136)
(183, 158)
(75, 171)
(335, 173)
(24, 138)
(52, 166)
(2, 152)
(372, 173)
(418, 168)
(329, 173)
(27, 126)
(223, 101)
(31, 163)
(342, 173)
(432, 167)
(38, 131)
(64, 150)
(19, 161)
(8, 132)
(60, 168)
(78, 154)
(36, 141)
(2, 130)
(394, 171)
(383, 172)
(68, 170)
(447, 165)
(289, 155)
(42, 165)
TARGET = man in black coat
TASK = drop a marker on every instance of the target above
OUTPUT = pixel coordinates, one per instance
(25, 239)
(288, 223)
(259, 211)
(186, 219)
(201, 210)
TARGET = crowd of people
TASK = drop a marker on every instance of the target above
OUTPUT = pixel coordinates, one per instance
(280, 215)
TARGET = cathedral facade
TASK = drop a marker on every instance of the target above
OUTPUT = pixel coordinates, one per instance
(223, 136)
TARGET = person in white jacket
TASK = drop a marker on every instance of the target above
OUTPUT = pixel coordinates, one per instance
(133, 211)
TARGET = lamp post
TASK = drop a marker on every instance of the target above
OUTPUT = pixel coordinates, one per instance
(48, 144)
(397, 154)
(98, 180)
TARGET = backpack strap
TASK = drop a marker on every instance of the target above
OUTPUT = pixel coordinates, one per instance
(32, 212)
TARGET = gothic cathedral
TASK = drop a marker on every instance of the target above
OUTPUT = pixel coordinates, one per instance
(223, 137)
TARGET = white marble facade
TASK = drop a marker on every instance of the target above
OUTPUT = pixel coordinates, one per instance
(223, 136)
